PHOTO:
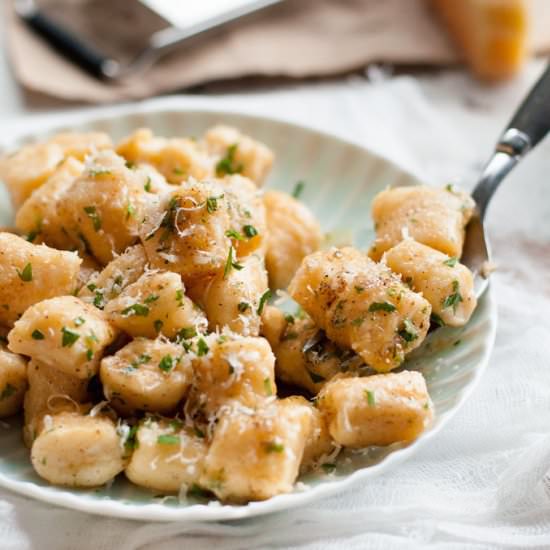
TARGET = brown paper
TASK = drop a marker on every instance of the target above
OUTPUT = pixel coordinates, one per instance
(302, 38)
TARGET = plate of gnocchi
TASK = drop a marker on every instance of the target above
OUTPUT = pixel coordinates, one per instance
(210, 315)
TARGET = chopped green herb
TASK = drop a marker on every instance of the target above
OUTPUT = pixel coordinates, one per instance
(37, 335)
(141, 360)
(202, 347)
(264, 298)
(227, 166)
(158, 325)
(147, 185)
(179, 297)
(26, 274)
(359, 289)
(230, 264)
(168, 439)
(232, 234)
(130, 165)
(358, 322)
(89, 355)
(451, 262)
(382, 306)
(176, 424)
(408, 331)
(99, 172)
(8, 391)
(243, 306)
(369, 394)
(274, 447)
(289, 336)
(298, 189)
(212, 204)
(268, 387)
(186, 333)
(136, 309)
(91, 212)
(151, 298)
(457, 343)
(453, 299)
(91, 287)
(131, 441)
(426, 405)
(79, 321)
(178, 171)
(130, 211)
(68, 337)
(250, 231)
(166, 363)
(99, 299)
(289, 318)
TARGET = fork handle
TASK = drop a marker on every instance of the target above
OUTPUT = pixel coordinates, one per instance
(529, 125)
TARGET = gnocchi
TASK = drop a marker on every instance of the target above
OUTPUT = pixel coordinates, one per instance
(139, 334)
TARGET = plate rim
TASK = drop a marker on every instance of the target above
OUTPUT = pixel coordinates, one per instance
(158, 512)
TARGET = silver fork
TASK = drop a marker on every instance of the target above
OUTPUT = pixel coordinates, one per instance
(528, 127)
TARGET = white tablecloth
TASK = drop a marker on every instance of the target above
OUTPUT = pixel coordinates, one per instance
(480, 483)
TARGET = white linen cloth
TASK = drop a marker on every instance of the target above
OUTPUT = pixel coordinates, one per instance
(480, 484)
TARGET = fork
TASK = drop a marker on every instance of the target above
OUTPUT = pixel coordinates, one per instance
(528, 127)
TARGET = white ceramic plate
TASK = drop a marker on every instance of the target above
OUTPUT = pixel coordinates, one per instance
(341, 180)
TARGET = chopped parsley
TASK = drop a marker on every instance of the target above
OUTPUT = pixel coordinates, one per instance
(131, 441)
(89, 354)
(141, 360)
(212, 204)
(231, 264)
(199, 432)
(453, 299)
(359, 289)
(158, 324)
(151, 298)
(26, 274)
(179, 297)
(130, 211)
(186, 333)
(178, 171)
(264, 298)
(371, 400)
(168, 439)
(382, 306)
(408, 331)
(99, 172)
(268, 387)
(202, 347)
(298, 189)
(451, 262)
(31, 236)
(250, 231)
(37, 335)
(147, 185)
(99, 299)
(68, 337)
(243, 306)
(289, 318)
(136, 309)
(232, 234)
(227, 165)
(91, 212)
(166, 363)
(274, 447)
